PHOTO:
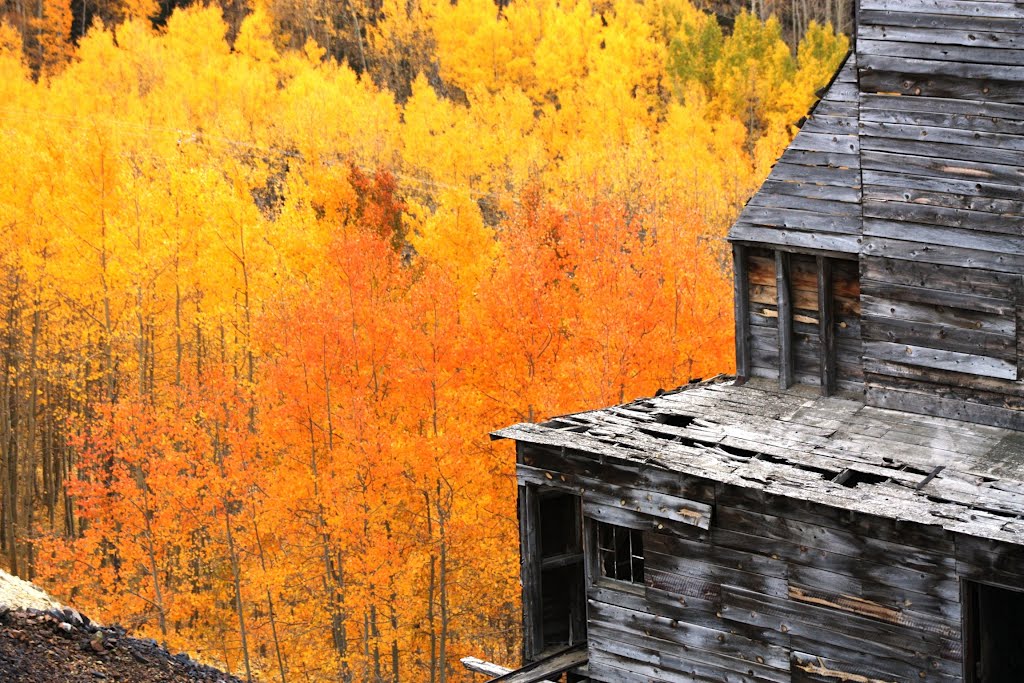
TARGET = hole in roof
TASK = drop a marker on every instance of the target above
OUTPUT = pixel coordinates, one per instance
(997, 512)
(740, 452)
(673, 420)
(850, 478)
(828, 474)
(565, 426)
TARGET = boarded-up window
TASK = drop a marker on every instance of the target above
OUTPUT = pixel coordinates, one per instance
(846, 323)
(802, 318)
(763, 316)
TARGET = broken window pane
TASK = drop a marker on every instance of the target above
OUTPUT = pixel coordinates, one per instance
(620, 552)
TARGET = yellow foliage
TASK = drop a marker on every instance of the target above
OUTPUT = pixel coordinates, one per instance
(256, 37)
(455, 238)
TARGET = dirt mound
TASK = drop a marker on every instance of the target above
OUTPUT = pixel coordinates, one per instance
(62, 645)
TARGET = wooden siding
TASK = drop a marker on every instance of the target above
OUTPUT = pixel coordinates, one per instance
(942, 158)
(775, 588)
(811, 199)
(943, 338)
(914, 161)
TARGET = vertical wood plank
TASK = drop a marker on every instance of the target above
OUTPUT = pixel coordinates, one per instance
(1020, 327)
(826, 327)
(578, 601)
(968, 598)
(741, 306)
(529, 553)
(785, 306)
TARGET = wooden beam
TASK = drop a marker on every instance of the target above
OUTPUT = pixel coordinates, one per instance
(490, 669)
(529, 549)
(785, 308)
(826, 327)
(551, 666)
(480, 666)
(741, 307)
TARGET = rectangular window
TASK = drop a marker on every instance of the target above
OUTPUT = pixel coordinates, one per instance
(994, 633)
(554, 573)
(620, 553)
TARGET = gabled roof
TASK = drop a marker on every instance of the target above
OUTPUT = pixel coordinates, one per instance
(812, 196)
(963, 477)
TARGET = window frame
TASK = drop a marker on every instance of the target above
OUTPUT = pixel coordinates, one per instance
(536, 568)
(596, 575)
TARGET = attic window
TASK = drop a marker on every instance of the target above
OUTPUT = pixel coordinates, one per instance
(620, 553)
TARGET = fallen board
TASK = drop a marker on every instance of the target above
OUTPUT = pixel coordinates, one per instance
(549, 667)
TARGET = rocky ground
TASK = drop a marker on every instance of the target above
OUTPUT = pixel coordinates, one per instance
(59, 645)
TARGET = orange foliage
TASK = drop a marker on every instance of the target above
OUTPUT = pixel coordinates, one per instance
(265, 312)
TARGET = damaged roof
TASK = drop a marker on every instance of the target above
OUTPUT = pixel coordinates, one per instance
(964, 477)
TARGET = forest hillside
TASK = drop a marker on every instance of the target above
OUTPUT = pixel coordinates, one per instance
(270, 274)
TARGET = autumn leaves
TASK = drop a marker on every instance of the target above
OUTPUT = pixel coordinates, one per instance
(259, 308)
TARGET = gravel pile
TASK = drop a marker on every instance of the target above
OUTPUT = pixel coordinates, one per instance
(44, 642)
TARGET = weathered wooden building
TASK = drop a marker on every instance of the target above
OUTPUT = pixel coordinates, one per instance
(851, 506)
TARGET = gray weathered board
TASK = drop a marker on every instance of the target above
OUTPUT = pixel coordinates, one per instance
(551, 666)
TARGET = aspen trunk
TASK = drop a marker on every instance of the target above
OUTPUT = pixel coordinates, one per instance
(31, 452)
(270, 599)
(431, 589)
(151, 552)
(8, 440)
(442, 585)
(237, 581)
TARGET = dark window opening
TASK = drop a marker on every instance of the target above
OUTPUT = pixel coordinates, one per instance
(558, 617)
(994, 633)
(620, 553)
(562, 595)
(559, 525)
